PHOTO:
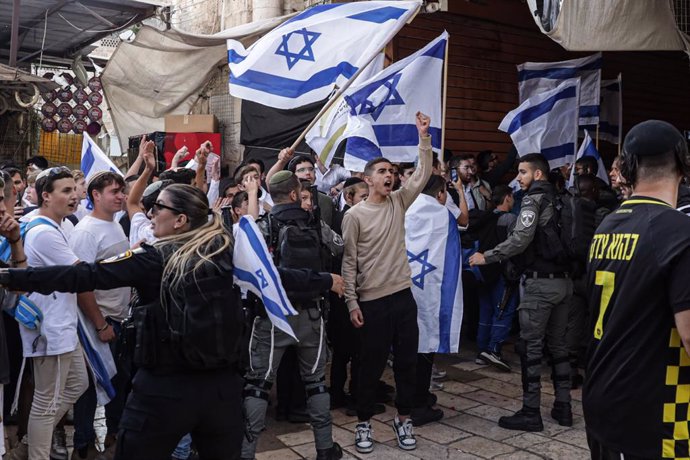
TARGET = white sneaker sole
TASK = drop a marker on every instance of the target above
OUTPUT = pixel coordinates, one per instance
(404, 447)
(364, 450)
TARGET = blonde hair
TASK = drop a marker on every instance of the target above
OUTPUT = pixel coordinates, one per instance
(31, 178)
(196, 247)
(78, 174)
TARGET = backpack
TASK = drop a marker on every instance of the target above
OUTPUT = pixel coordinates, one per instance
(296, 244)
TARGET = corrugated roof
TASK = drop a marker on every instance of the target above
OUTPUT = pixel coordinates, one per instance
(70, 26)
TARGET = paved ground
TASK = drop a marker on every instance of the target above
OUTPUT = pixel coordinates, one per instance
(473, 399)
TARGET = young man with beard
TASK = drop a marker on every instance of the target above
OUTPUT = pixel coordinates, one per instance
(377, 289)
(59, 369)
(99, 236)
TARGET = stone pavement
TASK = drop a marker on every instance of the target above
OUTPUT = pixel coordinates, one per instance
(473, 398)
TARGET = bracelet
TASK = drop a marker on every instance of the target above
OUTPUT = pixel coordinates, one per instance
(17, 262)
(14, 241)
(103, 328)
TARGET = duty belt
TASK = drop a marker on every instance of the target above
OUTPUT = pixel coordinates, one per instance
(540, 275)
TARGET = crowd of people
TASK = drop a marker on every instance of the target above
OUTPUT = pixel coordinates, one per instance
(195, 358)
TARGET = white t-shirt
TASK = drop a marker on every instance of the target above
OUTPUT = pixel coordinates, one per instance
(140, 229)
(83, 210)
(95, 239)
(46, 246)
(67, 225)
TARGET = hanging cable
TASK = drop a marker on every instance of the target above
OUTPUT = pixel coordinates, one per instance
(99, 31)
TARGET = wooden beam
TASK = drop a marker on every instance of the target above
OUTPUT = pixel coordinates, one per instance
(14, 33)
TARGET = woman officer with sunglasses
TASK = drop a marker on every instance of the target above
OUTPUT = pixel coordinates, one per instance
(189, 324)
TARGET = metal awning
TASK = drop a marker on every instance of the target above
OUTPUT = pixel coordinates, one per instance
(68, 26)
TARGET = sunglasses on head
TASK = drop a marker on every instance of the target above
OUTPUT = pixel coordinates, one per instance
(50, 172)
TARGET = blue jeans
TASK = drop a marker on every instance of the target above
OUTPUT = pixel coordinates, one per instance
(493, 330)
(85, 407)
(184, 448)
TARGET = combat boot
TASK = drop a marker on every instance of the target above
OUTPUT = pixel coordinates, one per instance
(334, 453)
(526, 419)
(562, 413)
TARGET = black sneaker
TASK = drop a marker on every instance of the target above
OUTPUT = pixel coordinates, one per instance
(576, 381)
(480, 360)
(334, 453)
(562, 413)
(423, 415)
(523, 420)
(495, 360)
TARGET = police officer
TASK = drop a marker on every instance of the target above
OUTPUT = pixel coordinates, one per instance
(268, 344)
(543, 309)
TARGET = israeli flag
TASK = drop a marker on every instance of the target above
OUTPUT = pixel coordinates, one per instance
(93, 161)
(433, 251)
(536, 77)
(547, 123)
(589, 149)
(254, 270)
(382, 109)
(99, 359)
(302, 60)
(611, 116)
(327, 134)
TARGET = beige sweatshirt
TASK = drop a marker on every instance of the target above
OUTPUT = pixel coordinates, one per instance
(375, 258)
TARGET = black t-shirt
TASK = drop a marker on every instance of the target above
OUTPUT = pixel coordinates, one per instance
(637, 391)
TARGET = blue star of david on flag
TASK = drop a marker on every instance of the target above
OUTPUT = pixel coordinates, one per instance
(260, 274)
(306, 53)
(393, 97)
(423, 259)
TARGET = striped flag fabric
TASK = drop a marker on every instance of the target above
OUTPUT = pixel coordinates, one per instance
(99, 359)
(589, 149)
(302, 60)
(536, 77)
(382, 109)
(547, 123)
(254, 270)
(433, 251)
(93, 161)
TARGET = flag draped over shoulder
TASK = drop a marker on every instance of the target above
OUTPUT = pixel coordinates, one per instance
(536, 77)
(547, 123)
(382, 109)
(325, 136)
(254, 270)
(303, 59)
(588, 149)
(433, 251)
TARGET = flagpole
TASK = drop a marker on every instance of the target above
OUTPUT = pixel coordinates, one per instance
(620, 111)
(347, 84)
(597, 138)
(445, 99)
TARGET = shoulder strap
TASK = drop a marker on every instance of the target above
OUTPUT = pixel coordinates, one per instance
(40, 221)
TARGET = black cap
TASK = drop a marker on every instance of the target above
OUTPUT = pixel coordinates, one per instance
(651, 138)
(292, 165)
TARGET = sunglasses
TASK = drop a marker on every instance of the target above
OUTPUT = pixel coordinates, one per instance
(53, 171)
(158, 206)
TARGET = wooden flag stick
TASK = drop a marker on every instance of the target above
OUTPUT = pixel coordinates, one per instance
(597, 139)
(445, 99)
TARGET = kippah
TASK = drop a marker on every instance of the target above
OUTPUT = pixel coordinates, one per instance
(279, 177)
(352, 181)
(292, 165)
(153, 187)
(95, 176)
(652, 137)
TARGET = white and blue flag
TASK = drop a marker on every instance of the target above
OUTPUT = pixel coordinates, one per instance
(93, 161)
(611, 116)
(382, 109)
(303, 59)
(536, 77)
(547, 123)
(254, 270)
(433, 252)
(588, 149)
(99, 359)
